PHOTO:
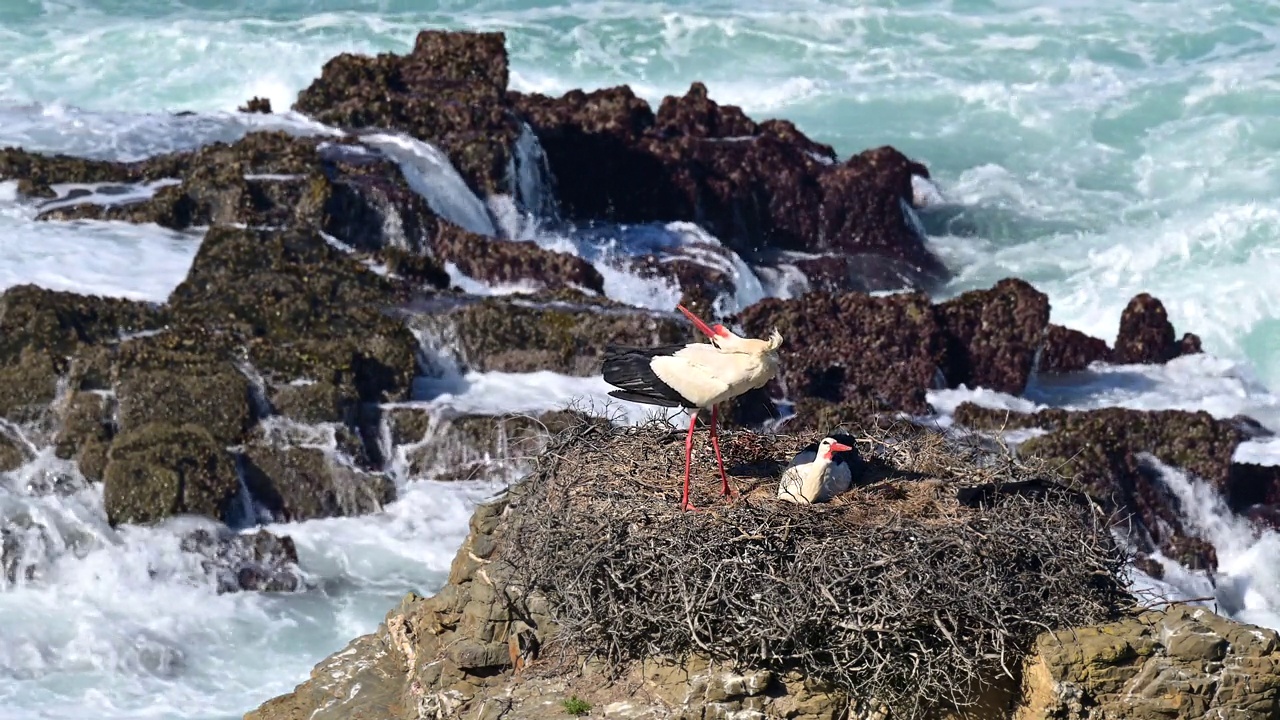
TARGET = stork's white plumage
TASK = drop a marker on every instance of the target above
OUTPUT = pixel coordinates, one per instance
(693, 376)
(819, 473)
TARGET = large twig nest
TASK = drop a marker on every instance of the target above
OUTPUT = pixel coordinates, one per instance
(931, 577)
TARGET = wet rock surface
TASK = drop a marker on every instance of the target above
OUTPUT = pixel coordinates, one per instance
(1105, 449)
(1147, 336)
(518, 335)
(753, 185)
(161, 470)
(246, 562)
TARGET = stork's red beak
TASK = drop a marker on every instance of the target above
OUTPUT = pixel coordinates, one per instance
(717, 331)
(839, 447)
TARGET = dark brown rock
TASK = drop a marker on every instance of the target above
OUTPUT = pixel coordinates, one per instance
(256, 105)
(449, 90)
(884, 351)
(504, 262)
(214, 396)
(1101, 449)
(304, 309)
(509, 336)
(754, 186)
(1146, 336)
(297, 484)
(1066, 350)
(157, 471)
(993, 335)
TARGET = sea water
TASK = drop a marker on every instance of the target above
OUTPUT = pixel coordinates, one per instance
(1096, 149)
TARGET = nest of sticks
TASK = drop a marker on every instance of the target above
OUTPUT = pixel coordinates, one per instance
(924, 583)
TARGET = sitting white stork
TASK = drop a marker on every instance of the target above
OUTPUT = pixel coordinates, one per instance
(820, 471)
(693, 376)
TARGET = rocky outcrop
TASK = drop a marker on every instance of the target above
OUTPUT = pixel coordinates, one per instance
(884, 351)
(1102, 449)
(526, 335)
(1066, 350)
(992, 336)
(1147, 336)
(753, 185)
(1185, 662)
(302, 483)
(159, 470)
(274, 180)
(449, 90)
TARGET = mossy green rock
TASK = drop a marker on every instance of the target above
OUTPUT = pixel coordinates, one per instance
(213, 396)
(303, 483)
(159, 470)
(507, 335)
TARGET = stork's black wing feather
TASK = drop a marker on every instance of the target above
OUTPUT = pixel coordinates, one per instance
(628, 369)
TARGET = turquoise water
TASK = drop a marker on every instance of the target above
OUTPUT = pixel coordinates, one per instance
(1098, 149)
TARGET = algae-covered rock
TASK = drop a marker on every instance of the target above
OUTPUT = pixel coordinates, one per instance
(158, 470)
(854, 347)
(304, 309)
(449, 90)
(296, 483)
(993, 335)
(511, 335)
(213, 396)
(753, 185)
(1147, 336)
(1066, 350)
(13, 454)
(1102, 449)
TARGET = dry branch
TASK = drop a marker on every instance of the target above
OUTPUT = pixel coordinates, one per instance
(913, 589)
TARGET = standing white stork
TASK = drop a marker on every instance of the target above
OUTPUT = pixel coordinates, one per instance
(819, 471)
(693, 376)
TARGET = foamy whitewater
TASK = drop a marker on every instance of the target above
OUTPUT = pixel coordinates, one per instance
(1097, 149)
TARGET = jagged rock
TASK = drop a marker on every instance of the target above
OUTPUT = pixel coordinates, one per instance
(854, 347)
(85, 431)
(256, 105)
(512, 335)
(1147, 336)
(305, 309)
(752, 185)
(249, 562)
(1066, 350)
(502, 262)
(12, 453)
(993, 335)
(39, 331)
(157, 471)
(297, 483)
(213, 396)
(1101, 448)
(1186, 662)
(449, 90)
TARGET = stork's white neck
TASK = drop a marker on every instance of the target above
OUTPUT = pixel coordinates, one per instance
(814, 475)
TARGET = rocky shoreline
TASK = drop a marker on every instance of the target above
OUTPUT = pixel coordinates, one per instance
(278, 381)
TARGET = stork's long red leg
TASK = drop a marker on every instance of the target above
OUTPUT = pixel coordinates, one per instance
(688, 459)
(715, 443)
